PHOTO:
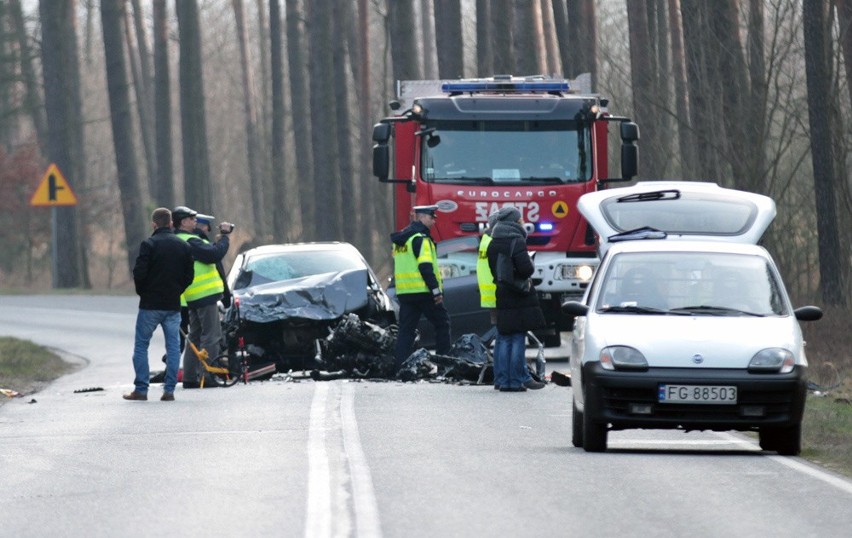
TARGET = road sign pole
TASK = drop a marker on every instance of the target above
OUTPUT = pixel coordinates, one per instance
(54, 241)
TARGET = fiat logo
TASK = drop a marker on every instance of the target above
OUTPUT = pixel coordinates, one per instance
(697, 358)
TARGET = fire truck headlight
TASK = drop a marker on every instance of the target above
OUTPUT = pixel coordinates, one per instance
(583, 273)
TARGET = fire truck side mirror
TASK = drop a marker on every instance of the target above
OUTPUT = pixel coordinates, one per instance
(381, 152)
(629, 151)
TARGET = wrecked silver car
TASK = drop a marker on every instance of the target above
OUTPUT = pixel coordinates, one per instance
(288, 296)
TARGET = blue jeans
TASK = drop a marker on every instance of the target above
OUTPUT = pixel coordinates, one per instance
(510, 365)
(146, 323)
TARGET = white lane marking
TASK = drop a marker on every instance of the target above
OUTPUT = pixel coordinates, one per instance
(794, 463)
(317, 520)
(367, 522)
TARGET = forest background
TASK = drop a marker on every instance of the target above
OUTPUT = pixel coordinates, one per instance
(260, 112)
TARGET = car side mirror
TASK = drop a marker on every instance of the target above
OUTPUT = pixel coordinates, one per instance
(575, 308)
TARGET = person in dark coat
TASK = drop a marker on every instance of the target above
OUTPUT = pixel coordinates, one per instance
(163, 270)
(518, 310)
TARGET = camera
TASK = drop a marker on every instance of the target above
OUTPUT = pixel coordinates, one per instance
(226, 227)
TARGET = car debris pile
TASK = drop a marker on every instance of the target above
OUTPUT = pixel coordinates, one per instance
(364, 350)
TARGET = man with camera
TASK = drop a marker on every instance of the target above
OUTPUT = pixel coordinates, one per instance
(202, 296)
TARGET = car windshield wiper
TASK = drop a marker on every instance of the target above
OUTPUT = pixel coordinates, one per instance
(632, 309)
(711, 310)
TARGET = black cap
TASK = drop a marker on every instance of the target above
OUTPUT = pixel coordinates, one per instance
(181, 212)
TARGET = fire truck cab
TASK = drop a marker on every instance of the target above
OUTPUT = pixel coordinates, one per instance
(472, 146)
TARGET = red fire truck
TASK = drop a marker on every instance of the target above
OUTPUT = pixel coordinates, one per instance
(472, 146)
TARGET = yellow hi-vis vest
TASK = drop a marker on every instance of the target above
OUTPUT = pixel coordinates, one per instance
(487, 287)
(406, 274)
(207, 281)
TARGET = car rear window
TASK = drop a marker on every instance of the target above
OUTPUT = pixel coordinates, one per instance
(677, 212)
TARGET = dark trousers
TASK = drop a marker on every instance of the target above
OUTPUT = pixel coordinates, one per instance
(411, 308)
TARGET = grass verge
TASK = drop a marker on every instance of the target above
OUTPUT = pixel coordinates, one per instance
(27, 368)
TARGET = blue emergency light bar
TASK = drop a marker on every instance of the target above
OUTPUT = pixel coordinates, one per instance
(490, 85)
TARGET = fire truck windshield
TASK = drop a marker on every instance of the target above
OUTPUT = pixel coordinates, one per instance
(506, 152)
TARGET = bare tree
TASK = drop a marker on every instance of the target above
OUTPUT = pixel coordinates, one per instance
(448, 37)
(554, 62)
(502, 25)
(684, 129)
(326, 155)
(196, 161)
(252, 138)
(428, 13)
(65, 143)
(815, 19)
(138, 61)
(32, 99)
(404, 57)
(643, 71)
(164, 192)
(349, 194)
(524, 39)
(583, 39)
(844, 17)
(112, 19)
(484, 48)
(279, 219)
(299, 104)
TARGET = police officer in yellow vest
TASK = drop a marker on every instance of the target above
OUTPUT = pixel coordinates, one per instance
(418, 284)
(487, 287)
(202, 296)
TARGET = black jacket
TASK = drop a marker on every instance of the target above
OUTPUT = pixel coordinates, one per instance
(517, 312)
(163, 269)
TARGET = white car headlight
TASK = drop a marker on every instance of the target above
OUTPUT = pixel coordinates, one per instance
(773, 359)
(622, 358)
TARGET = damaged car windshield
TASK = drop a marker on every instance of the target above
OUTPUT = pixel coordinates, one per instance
(288, 266)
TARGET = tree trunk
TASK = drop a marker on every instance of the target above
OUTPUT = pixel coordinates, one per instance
(165, 185)
(484, 48)
(61, 72)
(448, 38)
(560, 21)
(684, 127)
(844, 17)
(815, 23)
(583, 39)
(32, 100)
(502, 24)
(404, 57)
(255, 179)
(554, 61)
(349, 193)
(642, 72)
(112, 18)
(326, 171)
(279, 195)
(143, 105)
(302, 128)
(524, 42)
(196, 162)
(428, 16)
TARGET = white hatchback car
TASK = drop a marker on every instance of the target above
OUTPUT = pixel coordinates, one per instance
(686, 323)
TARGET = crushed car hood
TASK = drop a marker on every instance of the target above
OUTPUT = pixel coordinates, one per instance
(325, 296)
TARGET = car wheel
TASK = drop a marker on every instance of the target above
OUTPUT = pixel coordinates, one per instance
(576, 426)
(594, 434)
(786, 440)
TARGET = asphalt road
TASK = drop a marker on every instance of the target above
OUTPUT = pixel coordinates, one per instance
(298, 458)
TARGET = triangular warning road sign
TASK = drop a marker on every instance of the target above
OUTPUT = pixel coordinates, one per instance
(53, 190)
